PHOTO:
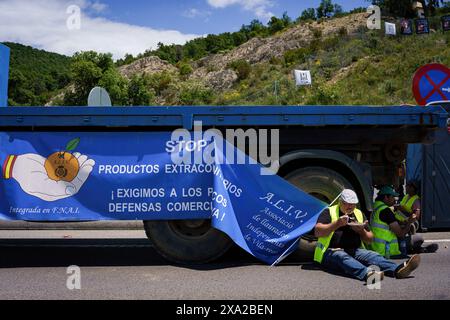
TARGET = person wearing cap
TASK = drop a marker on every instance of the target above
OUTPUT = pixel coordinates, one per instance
(343, 234)
(389, 230)
(409, 205)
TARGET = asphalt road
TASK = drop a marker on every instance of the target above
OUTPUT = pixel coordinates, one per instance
(118, 264)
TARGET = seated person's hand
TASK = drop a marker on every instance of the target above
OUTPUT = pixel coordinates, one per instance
(359, 228)
(343, 221)
(413, 218)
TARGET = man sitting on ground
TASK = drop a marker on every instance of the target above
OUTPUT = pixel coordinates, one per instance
(410, 205)
(343, 233)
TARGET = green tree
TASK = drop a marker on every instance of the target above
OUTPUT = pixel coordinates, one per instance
(337, 10)
(404, 8)
(287, 21)
(401, 8)
(296, 56)
(239, 38)
(128, 59)
(85, 76)
(16, 84)
(195, 49)
(35, 75)
(103, 61)
(242, 68)
(308, 14)
(139, 93)
(116, 85)
(255, 29)
(90, 69)
(358, 10)
(195, 94)
(275, 24)
(325, 9)
(160, 82)
(184, 68)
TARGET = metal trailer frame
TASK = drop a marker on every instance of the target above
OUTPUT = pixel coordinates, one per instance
(221, 116)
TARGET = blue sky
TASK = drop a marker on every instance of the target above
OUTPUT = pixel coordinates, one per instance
(200, 17)
(134, 26)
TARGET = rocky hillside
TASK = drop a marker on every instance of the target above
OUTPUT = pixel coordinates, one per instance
(148, 65)
(214, 70)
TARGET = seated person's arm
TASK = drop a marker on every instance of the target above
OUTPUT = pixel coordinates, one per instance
(399, 231)
(323, 230)
(366, 234)
(416, 208)
(402, 209)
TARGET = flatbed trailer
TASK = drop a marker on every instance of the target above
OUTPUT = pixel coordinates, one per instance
(322, 149)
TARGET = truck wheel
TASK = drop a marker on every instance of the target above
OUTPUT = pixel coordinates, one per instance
(324, 184)
(187, 241)
(307, 246)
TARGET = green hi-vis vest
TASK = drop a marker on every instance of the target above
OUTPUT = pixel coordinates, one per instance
(407, 203)
(324, 242)
(385, 241)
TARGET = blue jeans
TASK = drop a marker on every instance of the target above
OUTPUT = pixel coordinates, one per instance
(356, 264)
(410, 244)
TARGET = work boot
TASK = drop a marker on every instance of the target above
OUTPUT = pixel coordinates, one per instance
(408, 267)
(429, 248)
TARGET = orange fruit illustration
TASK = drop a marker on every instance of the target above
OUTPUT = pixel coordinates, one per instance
(62, 166)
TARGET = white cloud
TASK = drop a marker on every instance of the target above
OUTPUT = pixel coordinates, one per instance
(259, 7)
(195, 13)
(42, 24)
(99, 7)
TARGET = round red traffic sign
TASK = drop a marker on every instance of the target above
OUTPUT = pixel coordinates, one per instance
(432, 83)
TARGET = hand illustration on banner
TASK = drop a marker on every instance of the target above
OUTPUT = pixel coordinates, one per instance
(30, 171)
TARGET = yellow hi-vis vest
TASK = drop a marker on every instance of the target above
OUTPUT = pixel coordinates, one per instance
(407, 203)
(324, 242)
(385, 241)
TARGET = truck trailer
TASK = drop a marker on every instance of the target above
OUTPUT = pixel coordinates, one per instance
(323, 149)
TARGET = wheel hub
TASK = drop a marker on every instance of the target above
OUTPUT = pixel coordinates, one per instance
(190, 228)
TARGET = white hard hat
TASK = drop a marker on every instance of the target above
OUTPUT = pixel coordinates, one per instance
(349, 196)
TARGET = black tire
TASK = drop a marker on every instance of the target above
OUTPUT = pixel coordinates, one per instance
(187, 241)
(322, 183)
(307, 247)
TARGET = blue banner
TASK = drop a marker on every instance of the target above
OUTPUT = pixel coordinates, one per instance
(135, 176)
(268, 217)
(99, 176)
